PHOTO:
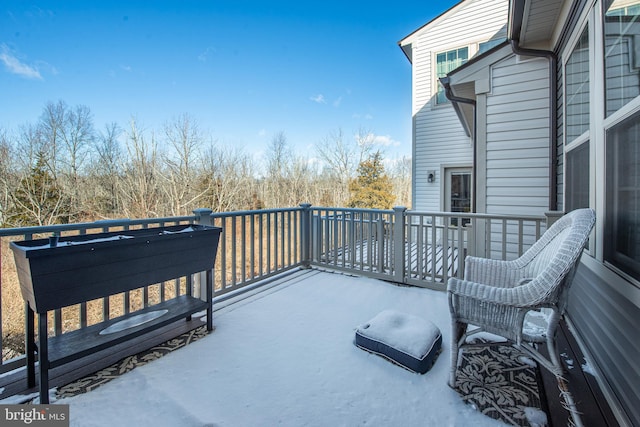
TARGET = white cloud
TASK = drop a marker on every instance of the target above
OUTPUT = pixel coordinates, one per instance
(362, 116)
(385, 141)
(318, 98)
(337, 102)
(15, 66)
(126, 68)
(380, 140)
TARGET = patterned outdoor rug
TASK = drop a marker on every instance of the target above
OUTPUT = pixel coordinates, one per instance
(127, 364)
(502, 383)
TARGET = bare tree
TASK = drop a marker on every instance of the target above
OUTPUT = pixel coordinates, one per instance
(341, 158)
(77, 134)
(138, 187)
(400, 174)
(181, 164)
(51, 123)
(228, 181)
(279, 159)
(7, 177)
(105, 173)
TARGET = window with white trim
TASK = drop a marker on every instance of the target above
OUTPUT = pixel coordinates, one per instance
(622, 225)
(621, 45)
(621, 53)
(445, 62)
(577, 91)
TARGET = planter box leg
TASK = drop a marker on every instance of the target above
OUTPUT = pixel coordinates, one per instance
(43, 358)
(30, 345)
(210, 300)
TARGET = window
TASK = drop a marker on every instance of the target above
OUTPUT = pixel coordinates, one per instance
(622, 175)
(577, 89)
(445, 62)
(483, 47)
(621, 53)
(577, 178)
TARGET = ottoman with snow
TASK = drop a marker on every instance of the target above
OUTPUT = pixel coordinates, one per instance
(407, 340)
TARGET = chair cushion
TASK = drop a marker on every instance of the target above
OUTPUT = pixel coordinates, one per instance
(407, 340)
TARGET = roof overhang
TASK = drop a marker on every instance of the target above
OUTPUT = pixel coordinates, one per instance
(471, 79)
(406, 44)
(536, 24)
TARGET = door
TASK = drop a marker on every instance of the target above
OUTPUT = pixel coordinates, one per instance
(457, 192)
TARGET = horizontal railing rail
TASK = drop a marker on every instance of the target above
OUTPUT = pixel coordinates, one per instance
(417, 248)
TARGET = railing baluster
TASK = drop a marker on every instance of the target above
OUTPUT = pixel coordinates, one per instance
(234, 255)
(433, 247)
(261, 244)
(460, 250)
(222, 252)
(269, 245)
(520, 237)
(243, 249)
(275, 235)
(252, 244)
(445, 251)
(504, 239)
(57, 321)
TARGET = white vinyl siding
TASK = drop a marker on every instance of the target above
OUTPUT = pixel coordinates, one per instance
(517, 138)
(439, 139)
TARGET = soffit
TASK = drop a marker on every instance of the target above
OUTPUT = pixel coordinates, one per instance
(533, 22)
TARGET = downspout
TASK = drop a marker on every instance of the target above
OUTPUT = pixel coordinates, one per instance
(553, 114)
(456, 99)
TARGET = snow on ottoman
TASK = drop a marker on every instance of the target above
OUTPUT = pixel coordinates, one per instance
(409, 341)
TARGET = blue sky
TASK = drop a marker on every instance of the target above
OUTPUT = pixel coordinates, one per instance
(245, 70)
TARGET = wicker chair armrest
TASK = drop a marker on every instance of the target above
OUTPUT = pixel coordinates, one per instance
(508, 296)
(494, 272)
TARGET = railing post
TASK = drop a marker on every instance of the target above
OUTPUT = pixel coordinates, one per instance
(203, 217)
(399, 247)
(553, 216)
(305, 234)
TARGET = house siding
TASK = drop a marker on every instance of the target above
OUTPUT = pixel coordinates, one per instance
(439, 138)
(598, 306)
(604, 307)
(517, 138)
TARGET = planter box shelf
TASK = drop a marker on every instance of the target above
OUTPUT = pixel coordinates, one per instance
(76, 269)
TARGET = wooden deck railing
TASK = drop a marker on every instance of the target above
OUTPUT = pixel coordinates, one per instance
(417, 248)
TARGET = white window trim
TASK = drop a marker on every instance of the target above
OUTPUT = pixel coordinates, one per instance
(472, 49)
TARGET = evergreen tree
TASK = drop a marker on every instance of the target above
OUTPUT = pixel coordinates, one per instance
(38, 197)
(372, 188)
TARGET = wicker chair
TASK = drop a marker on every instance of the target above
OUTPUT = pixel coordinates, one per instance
(496, 295)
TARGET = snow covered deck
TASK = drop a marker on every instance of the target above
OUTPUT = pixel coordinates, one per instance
(284, 355)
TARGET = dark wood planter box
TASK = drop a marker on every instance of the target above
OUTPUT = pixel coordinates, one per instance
(86, 267)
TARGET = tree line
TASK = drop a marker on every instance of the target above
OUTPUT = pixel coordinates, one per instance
(61, 169)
